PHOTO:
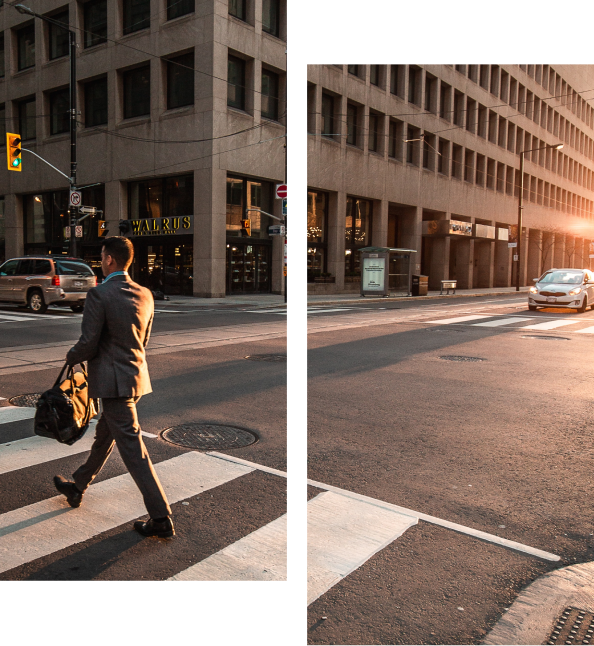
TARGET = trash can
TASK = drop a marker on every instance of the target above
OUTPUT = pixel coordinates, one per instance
(420, 285)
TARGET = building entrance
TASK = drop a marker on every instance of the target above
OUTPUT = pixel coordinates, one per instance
(248, 268)
(166, 267)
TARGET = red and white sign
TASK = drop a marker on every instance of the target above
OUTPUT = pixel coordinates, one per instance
(75, 198)
(281, 191)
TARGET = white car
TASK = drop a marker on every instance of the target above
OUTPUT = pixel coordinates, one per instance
(572, 288)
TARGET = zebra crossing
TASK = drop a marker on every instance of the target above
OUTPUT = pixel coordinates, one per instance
(46, 527)
(517, 322)
(23, 317)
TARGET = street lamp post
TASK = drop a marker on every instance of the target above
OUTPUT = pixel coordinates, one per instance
(521, 205)
(72, 111)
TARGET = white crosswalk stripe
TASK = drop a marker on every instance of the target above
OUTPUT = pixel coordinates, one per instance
(31, 317)
(460, 319)
(45, 527)
(506, 321)
(586, 330)
(550, 325)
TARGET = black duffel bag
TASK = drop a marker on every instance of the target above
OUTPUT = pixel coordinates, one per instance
(64, 411)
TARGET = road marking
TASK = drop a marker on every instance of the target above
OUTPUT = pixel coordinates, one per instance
(7, 318)
(343, 533)
(246, 463)
(169, 312)
(551, 325)
(498, 322)
(50, 525)
(259, 556)
(461, 319)
(281, 310)
(334, 309)
(469, 531)
(586, 330)
(10, 414)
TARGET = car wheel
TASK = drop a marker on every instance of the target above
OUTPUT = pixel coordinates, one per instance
(584, 305)
(36, 302)
(77, 308)
(532, 308)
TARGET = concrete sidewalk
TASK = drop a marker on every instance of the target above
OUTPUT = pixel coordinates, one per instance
(247, 300)
(331, 299)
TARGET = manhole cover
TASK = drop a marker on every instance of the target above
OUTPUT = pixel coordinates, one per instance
(536, 336)
(574, 626)
(207, 437)
(266, 357)
(451, 357)
(29, 401)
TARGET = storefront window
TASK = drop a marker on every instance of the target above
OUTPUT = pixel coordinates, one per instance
(317, 212)
(357, 232)
(244, 194)
(163, 197)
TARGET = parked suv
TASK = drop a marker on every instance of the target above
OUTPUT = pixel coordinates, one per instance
(39, 281)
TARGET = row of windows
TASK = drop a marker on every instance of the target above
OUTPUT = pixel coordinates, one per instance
(136, 91)
(490, 126)
(136, 17)
(427, 91)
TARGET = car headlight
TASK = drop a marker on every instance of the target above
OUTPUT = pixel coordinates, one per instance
(575, 292)
(533, 290)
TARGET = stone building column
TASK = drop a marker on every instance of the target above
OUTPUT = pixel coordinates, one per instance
(13, 225)
(534, 255)
(379, 225)
(439, 261)
(336, 237)
(503, 264)
(548, 251)
(484, 263)
(465, 262)
(559, 251)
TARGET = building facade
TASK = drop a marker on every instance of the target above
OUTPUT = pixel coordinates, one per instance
(428, 158)
(181, 136)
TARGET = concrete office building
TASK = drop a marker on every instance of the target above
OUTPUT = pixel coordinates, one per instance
(182, 112)
(427, 158)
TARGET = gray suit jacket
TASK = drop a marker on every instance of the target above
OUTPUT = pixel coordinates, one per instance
(116, 327)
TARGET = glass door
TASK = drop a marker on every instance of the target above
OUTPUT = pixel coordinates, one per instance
(248, 268)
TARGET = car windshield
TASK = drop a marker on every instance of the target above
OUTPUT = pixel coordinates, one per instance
(72, 268)
(563, 277)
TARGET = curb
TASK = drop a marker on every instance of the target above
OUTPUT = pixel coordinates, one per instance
(387, 299)
(531, 617)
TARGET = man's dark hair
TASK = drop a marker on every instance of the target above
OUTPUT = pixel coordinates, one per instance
(120, 249)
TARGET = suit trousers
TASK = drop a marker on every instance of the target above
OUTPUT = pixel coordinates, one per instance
(119, 425)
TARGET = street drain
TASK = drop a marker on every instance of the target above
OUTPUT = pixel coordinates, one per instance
(574, 626)
(28, 401)
(266, 357)
(208, 437)
(536, 336)
(451, 357)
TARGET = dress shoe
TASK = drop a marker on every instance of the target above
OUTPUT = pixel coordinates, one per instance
(152, 527)
(73, 495)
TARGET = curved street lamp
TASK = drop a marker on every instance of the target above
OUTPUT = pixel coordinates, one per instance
(521, 205)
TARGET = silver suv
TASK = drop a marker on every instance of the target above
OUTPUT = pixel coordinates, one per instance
(39, 281)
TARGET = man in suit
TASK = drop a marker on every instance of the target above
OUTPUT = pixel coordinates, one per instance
(116, 327)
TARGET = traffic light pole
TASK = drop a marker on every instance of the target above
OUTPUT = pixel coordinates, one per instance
(73, 209)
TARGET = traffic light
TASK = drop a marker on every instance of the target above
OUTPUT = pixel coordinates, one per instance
(102, 230)
(246, 225)
(124, 226)
(13, 151)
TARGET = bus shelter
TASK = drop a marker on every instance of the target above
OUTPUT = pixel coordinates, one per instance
(385, 270)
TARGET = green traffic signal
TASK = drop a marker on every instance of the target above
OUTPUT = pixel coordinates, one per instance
(16, 162)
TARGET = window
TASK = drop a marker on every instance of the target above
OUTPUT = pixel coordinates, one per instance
(395, 140)
(177, 8)
(137, 92)
(502, 132)
(495, 80)
(413, 137)
(271, 17)
(374, 74)
(96, 102)
(443, 159)
(27, 121)
(468, 165)
(327, 115)
(491, 174)
(2, 124)
(237, 8)
(58, 36)
(500, 177)
(429, 151)
(270, 93)
(243, 194)
(457, 162)
(236, 83)
(373, 132)
(471, 115)
(137, 15)
(2, 55)
(351, 124)
(458, 108)
(180, 81)
(95, 21)
(473, 73)
(59, 102)
(480, 170)
(461, 69)
(430, 93)
(414, 85)
(353, 69)
(357, 232)
(26, 47)
(444, 102)
(317, 218)
(397, 80)
(484, 77)
(168, 197)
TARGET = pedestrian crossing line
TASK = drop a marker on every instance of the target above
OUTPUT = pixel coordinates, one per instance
(50, 525)
(5, 318)
(586, 330)
(460, 319)
(551, 325)
(343, 533)
(281, 310)
(246, 463)
(469, 531)
(507, 321)
(259, 556)
(29, 317)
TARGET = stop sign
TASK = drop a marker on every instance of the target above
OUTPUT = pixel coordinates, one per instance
(281, 191)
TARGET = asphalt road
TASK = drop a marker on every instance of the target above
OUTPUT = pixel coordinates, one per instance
(484, 422)
(218, 501)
